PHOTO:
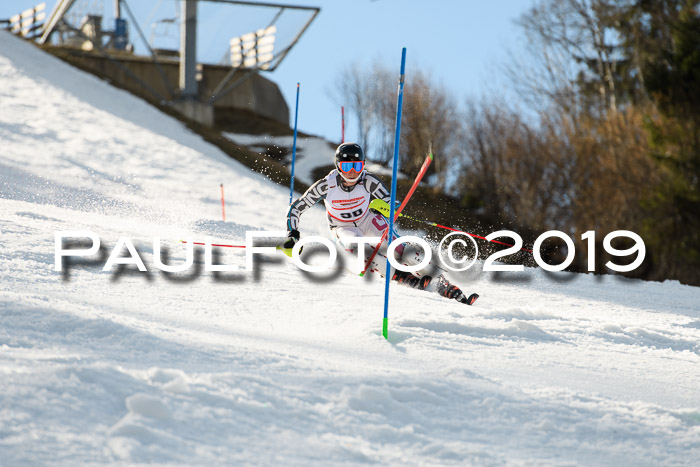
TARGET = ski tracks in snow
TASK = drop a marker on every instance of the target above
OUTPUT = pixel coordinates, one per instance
(278, 366)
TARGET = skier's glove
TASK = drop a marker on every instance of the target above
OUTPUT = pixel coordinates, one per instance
(292, 239)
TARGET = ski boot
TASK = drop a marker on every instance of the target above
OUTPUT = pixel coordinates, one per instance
(448, 290)
(410, 280)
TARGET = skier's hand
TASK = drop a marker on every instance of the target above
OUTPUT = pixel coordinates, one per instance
(292, 238)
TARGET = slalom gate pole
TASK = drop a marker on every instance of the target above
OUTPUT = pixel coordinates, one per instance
(342, 124)
(385, 210)
(223, 206)
(216, 244)
(462, 231)
(394, 175)
(294, 148)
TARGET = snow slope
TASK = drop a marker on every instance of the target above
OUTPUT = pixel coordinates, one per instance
(275, 367)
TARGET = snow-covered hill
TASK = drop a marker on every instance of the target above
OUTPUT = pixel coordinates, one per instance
(274, 367)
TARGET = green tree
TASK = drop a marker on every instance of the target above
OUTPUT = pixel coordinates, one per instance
(664, 38)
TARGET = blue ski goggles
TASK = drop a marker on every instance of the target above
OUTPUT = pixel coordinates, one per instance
(346, 167)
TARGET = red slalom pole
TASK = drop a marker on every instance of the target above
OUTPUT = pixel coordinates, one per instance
(342, 119)
(383, 208)
(419, 177)
(471, 234)
(475, 235)
(215, 244)
(223, 205)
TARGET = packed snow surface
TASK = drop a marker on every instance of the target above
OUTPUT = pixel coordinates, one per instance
(278, 366)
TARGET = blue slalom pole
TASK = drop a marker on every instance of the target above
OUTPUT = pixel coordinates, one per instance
(294, 147)
(394, 175)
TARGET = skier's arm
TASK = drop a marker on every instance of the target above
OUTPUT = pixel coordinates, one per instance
(376, 188)
(313, 195)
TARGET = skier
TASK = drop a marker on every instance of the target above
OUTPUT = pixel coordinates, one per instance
(347, 192)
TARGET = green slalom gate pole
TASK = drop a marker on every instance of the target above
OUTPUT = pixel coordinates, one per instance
(399, 106)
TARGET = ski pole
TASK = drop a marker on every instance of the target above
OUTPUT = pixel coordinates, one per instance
(383, 208)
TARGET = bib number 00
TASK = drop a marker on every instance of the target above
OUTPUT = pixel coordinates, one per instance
(351, 215)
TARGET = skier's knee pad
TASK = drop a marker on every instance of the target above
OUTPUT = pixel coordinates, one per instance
(413, 255)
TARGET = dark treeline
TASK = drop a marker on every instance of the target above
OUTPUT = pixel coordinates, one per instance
(609, 140)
